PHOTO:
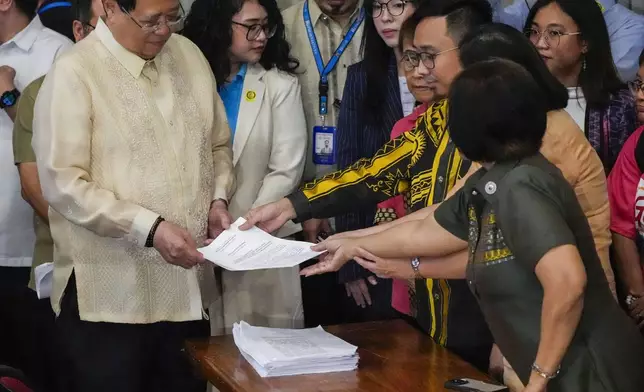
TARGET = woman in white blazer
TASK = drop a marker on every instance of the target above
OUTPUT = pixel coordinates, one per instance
(245, 44)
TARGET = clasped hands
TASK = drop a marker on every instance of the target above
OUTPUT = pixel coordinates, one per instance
(176, 245)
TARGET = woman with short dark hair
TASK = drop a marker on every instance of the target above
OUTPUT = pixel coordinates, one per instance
(532, 263)
(572, 39)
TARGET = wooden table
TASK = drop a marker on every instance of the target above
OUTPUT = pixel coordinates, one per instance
(393, 357)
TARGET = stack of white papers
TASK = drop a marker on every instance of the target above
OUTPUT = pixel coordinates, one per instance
(287, 352)
(253, 249)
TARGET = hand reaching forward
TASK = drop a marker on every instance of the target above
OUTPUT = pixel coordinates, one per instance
(339, 252)
(176, 246)
(270, 217)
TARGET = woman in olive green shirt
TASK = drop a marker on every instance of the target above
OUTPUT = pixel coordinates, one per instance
(532, 262)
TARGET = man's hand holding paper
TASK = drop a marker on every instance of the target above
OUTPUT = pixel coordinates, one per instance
(252, 249)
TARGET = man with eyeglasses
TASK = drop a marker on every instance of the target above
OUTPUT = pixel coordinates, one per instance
(43, 352)
(423, 162)
(134, 159)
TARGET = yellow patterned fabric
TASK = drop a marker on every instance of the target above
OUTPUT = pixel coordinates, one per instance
(422, 163)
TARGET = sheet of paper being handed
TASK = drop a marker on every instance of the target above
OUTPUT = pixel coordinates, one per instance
(253, 249)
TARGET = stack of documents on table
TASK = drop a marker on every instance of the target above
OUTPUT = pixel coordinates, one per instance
(253, 249)
(287, 352)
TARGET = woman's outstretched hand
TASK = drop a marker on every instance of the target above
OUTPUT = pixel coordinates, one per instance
(338, 253)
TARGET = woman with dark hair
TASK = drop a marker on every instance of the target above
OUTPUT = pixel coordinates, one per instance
(243, 40)
(572, 39)
(563, 144)
(536, 273)
(375, 97)
(531, 261)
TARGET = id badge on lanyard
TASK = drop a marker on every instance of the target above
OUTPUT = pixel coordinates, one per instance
(323, 136)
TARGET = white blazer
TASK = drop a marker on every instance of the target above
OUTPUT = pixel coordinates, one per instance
(270, 142)
(269, 150)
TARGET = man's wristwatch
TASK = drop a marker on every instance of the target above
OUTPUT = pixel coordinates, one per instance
(9, 98)
(415, 265)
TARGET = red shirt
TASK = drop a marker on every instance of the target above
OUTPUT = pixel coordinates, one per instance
(626, 191)
(400, 287)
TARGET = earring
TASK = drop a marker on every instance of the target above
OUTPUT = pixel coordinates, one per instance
(583, 65)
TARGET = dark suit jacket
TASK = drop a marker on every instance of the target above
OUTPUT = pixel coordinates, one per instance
(360, 134)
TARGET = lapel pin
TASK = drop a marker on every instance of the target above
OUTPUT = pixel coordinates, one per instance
(490, 188)
(250, 96)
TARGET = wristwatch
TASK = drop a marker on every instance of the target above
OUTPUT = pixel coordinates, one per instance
(9, 98)
(415, 265)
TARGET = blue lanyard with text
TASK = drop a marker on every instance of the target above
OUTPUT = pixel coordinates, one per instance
(324, 71)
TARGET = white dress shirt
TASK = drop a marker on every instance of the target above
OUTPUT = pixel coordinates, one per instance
(31, 52)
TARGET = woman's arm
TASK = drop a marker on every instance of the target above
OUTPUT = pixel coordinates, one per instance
(414, 216)
(563, 277)
(447, 267)
(407, 240)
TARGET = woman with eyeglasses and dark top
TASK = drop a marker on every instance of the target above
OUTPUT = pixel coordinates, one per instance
(375, 96)
(626, 193)
(572, 39)
(244, 42)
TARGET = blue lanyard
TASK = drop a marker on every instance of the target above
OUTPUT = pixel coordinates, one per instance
(324, 71)
(54, 5)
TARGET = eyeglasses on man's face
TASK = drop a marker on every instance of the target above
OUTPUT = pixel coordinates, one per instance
(412, 59)
(173, 22)
(393, 7)
(254, 30)
(552, 37)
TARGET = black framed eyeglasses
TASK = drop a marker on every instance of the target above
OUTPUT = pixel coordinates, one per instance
(173, 22)
(636, 86)
(393, 7)
(253, 31)
(550, 36)
(411, 59)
